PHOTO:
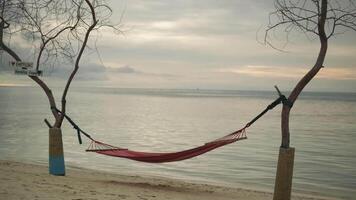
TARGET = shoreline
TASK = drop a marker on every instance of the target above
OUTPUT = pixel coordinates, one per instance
(31, 181)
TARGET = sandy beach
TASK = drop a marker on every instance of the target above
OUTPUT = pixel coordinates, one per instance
(32, 181)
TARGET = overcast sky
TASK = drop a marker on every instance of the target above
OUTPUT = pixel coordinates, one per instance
(207, 44)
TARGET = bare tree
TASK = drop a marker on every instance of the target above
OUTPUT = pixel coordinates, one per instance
(321, 18)
(57, 30)
(313, 18)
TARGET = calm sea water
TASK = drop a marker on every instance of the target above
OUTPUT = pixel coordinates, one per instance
(323, 131)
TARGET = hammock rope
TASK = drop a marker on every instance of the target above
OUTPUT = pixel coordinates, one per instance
(110, 150)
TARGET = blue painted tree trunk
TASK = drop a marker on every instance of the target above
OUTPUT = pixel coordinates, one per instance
(56, 156)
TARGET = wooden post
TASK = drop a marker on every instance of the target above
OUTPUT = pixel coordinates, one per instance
(56, 156)
(284, 175)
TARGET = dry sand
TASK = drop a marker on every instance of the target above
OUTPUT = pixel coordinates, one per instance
(32, 181)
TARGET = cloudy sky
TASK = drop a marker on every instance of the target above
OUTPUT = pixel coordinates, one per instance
(207, 44)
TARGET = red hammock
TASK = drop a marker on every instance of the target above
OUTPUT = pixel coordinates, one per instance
(106, 149)
(110, 150)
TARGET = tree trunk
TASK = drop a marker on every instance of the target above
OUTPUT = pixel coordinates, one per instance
(283, 183)
(56, 156)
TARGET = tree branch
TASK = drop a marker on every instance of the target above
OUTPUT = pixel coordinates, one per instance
(35, 78)
(308, 77)
(53, 28)
(49, 95)
(4, 46)
(46, 41)
(83, 46)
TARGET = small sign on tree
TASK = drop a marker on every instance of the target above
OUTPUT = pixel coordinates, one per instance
(25, 68)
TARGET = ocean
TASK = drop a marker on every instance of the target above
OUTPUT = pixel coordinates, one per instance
(323, 132)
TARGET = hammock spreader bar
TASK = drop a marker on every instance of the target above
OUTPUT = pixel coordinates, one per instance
(109, 150)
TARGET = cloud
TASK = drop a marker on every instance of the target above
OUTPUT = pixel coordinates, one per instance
(340, 73)
(337, 74)
(14, 85)
(99, 72)
(185, 43)
(124, 69)
(86, 72)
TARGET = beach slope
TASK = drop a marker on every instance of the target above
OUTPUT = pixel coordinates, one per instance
(32, 181)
